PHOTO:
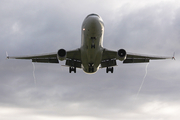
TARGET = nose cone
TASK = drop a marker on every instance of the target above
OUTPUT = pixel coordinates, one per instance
(93, 15)
(93, 22)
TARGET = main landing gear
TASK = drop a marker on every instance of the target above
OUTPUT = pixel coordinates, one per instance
(72, 69)
(109, 69)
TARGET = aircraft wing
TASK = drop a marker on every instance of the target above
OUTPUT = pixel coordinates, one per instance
(44, 58)
(50, 57)
(109, 54)
(109, 58)
(135, 58)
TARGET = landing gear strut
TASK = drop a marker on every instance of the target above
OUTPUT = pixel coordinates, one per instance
(91, 67)
(111, 69)
(72, 69)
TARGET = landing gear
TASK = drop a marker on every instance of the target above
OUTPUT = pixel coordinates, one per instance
(91, 67)
(93, 46)
(72, 69)
(111, 69)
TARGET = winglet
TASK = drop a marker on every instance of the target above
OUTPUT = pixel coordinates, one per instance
(7, 56)
(173, 56)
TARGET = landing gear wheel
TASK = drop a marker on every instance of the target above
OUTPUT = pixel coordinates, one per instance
(91, 69)
(111, 69)
(72, 69)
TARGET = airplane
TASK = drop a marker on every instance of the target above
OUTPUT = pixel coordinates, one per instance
(91, 55)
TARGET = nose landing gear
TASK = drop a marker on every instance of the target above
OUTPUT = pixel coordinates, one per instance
(111, 69)
(72, 69)
(91, 67)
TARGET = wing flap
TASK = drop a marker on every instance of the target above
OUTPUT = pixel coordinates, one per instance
(45, 60)
(108, 63)
(74, 56)
(136, 61)
(53, 56)
(135, 58)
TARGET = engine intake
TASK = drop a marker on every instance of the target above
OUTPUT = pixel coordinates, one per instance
(121, 54)
(61, 54)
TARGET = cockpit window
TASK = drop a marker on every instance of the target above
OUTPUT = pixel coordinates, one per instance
(92, 15)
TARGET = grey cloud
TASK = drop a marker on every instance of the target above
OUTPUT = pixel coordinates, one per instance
(35, 27)
(148, 28)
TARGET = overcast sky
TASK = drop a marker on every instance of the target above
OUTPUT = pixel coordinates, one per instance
(29, 27)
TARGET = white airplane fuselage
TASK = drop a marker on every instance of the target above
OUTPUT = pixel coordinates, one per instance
(91, 43)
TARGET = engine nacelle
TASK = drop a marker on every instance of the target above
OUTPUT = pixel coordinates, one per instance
(121, 54)
(61, 54)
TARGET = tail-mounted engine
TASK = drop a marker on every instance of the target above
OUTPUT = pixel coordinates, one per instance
(121, 54)
(61, 54)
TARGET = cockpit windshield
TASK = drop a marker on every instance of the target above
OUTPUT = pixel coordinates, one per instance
(92, 15)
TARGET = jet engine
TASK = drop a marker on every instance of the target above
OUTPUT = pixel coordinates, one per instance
(121, 54)
(61, 54)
